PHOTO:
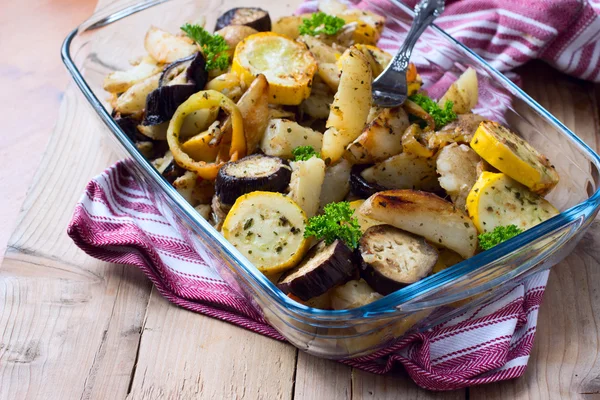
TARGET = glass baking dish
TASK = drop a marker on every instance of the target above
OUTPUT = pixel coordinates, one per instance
(109, 39)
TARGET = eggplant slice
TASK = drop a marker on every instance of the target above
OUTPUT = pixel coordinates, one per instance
(324, 267)
(252, 173)
(162, 102)
(359, 185)
(393, 258)
(253, 17)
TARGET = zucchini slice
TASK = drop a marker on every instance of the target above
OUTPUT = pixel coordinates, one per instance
(513, 156)
(498, 200)
(268, 228)
(288, 66)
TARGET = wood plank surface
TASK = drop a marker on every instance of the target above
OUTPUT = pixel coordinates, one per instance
(75, 327)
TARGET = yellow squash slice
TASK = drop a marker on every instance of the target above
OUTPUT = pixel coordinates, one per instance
(513, 156)
(288, 66)
(267, 228)
(497, 200)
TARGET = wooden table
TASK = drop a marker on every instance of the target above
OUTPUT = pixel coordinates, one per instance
(75, 327)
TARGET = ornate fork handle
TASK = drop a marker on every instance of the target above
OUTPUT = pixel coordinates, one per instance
(425, 12)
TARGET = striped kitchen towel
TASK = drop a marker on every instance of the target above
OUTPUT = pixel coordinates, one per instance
(508, 33)
(117, 221)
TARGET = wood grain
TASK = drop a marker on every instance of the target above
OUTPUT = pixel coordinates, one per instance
(74, 327)
(564, 362)
(31, 91)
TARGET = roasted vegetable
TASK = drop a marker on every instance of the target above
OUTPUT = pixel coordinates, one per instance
(165, 47)
(350, 106)
(254, 17)
(229, 84)
(282, 136)
(267, 228)
(134, 99)
(378, 59)
(336, 183)
(497, 200)
(120, 81)
(459, 131)
(403, 171)
(254, 107)
(427, 215)
(513, 156)
(360, 186)
(203, 100)
(324, 267)
(381, 138)
(354, 294)
(337, 222)
(364, 221)
(463, 94)
(288, 66)
(289, 26)
(185, 185)
(392, 258)
(249, 174)
(306, 183)
(234, 34)
(457, 167)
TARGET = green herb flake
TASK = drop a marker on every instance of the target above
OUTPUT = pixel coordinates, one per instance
(321, 23)
(303, 153)
(337, 222)
(498, 235)
(214, 47)
(441, 116)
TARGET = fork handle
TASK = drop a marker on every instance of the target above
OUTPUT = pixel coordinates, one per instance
(425, 12)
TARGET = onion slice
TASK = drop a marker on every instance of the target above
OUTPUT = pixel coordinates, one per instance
(200, 100)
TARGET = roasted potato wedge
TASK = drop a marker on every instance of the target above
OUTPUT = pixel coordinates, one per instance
(350, 106)
(254, 107)
(464, 93)
(165, 47)
(336, 183)
(381, 139)
(457, 166)
(134, 99)
(120, 81)
(404, 171)
(427, 215)
(282, 136)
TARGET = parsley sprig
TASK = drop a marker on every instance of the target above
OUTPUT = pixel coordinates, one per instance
(337, 222)
(303, 153)
(320, 23)
(214, 48)
(498, 235)
(441, 116)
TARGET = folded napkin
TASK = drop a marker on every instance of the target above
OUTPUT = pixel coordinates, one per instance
(116, 221)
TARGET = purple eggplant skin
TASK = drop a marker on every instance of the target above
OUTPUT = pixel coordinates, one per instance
(324, 267)
(172, 172)
(359, 186)
(163, 101)
(129, 126)
(228, 187)
(421, 254)
(253, 17)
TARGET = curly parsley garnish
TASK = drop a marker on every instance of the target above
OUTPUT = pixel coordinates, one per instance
(336, 223)
(303, 153)
(441, 116)
(498, 235)
(320, 23)
(213, 47)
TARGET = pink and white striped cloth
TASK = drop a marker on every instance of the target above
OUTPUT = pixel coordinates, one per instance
(508, 33)
(115, 221)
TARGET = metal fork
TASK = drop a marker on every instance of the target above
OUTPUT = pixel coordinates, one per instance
(390, 89)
